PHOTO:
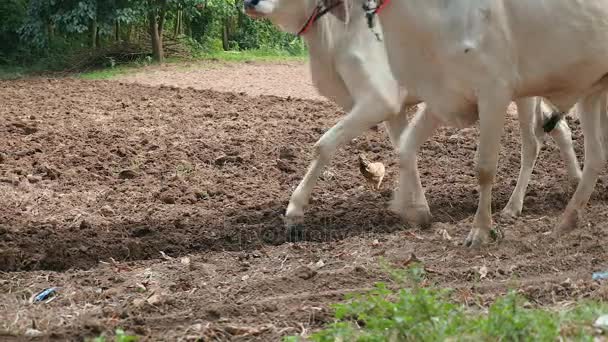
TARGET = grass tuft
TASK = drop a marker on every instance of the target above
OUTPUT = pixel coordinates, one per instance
(414, 311)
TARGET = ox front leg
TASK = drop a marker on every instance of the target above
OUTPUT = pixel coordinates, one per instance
(590, 114)
(363, 116)
(410, 202)
(492, 112)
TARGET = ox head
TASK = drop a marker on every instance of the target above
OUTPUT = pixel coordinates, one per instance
(292, 15)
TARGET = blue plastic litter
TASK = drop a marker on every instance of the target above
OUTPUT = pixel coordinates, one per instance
(600, 275)
(45, 294)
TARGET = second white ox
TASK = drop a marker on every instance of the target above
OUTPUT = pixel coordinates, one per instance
(468, 59)
(349, 66)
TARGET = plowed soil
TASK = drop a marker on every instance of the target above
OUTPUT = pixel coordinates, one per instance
(158, 209)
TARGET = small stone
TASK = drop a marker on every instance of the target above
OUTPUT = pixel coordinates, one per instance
(34, 179)
(185, 261)
(602, 323)
(155, 299)
(201, 194)
(2, 157)
(127, 174)
(287, 152)
(483, 272)
(10, 180)
(168, 199)
(139, 302)
(285, 167)
(305, 273)
(245, 277)
(228, 159)
(48, 172)
(106, 210)
(33, 333)
(84, 224)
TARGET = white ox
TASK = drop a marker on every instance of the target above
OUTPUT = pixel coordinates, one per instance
(468, 59)
(350, 66)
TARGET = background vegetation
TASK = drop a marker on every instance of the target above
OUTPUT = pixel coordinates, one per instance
(83, 34)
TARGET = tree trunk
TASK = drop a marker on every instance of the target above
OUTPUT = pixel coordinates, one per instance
(178, 24)
(225, 36)
(156, 17)
(157, 43)
(50, 31)
(97, 39)
(93, 40)
(117, 30)
(130, 33)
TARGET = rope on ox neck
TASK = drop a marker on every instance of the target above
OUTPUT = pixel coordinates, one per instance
(372, 8)
(319, 11)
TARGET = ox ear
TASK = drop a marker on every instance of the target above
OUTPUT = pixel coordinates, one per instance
(338, 8)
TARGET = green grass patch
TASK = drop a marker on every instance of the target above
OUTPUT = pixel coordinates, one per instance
(407, 310)
(262, 55)
(223, 56)
(108, 73)
(12, 72)
(252, 55)
(120, 336)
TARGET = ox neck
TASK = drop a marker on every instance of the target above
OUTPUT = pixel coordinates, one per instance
(318, 11)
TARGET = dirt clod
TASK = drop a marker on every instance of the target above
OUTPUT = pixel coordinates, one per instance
(33, 179)
(305, 272)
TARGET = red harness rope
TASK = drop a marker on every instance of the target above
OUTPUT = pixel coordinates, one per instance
(319, 11)
(381, 6)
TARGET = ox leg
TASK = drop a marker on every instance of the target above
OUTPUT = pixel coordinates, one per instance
(396, 125)
(562, 135)
(410, 202)
(531, 118)
(591, 122)
(604, 123)
(530, 147)
(362, 117)
(492, 113)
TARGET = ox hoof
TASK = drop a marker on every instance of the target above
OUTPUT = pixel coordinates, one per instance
(422, 219)
(294, 232)
(478, 237)
(294, 227)
(511, 211)
(568, 223)
(419, 216)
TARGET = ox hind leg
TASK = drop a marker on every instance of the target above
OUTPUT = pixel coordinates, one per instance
(592, 114)
(531, 118)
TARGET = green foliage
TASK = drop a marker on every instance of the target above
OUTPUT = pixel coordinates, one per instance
(12, 13)
(120, 336)
(425, 313)
(49, 33)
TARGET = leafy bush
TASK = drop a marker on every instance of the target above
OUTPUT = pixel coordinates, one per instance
(12, 14)
(415, 312)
